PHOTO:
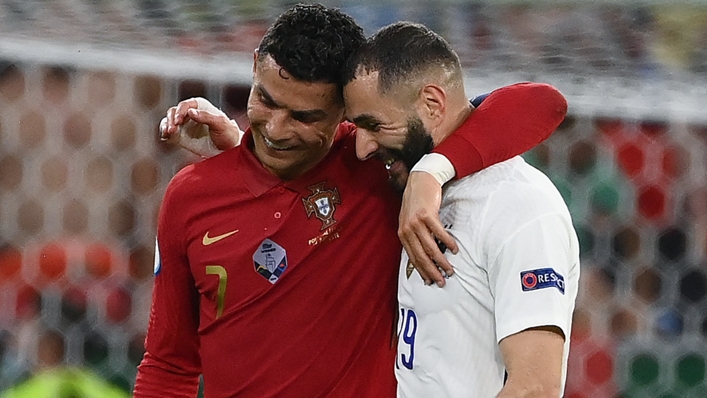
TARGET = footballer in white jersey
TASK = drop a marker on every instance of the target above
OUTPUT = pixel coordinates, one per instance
(517, 268)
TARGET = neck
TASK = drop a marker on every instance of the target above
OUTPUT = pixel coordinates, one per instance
(456, 117)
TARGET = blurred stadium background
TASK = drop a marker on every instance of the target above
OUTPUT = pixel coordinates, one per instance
(84, 83)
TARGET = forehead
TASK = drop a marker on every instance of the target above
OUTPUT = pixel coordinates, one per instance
(294, 94)
(361, 96)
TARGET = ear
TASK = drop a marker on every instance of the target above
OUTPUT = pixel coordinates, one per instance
(255, 59)
(433, 102)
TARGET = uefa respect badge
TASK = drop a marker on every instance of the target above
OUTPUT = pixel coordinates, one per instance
(541, 278)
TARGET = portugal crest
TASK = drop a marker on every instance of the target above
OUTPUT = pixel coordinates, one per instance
(322, 204)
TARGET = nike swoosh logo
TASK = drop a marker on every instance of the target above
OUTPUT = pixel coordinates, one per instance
(210, 240)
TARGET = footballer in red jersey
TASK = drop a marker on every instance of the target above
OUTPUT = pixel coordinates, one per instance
(265, 285)
(277, 260)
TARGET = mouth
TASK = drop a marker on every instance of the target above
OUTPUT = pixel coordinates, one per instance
(397, 173)
(395, 167)
(389, 163)
(275, 146)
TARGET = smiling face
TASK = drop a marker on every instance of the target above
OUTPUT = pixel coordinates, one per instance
(293, 122)
(386, 129)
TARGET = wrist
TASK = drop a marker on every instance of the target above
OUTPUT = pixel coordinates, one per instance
(436, 165)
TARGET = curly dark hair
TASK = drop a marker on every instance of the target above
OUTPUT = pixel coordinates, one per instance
(399, 51)
(312, 42)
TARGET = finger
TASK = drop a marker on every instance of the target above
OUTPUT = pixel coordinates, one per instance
(224, 133)
(171, 127)
(182, 109)
(422, 261)
(441, 261)
(204, 105)
(204, 117)
(163, 136)
(442, 241)
(436, 228)
(422, 272)
(435, 240)
(412, 248)
(434, 258)
(418, 242)
(449, 241)
(218, 123)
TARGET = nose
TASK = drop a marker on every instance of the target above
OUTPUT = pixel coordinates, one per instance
(366, 145)
(278, 126)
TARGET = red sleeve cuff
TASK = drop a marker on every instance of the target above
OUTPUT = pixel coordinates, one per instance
(155, 380)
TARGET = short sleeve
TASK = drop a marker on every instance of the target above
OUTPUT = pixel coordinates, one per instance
(534, 276)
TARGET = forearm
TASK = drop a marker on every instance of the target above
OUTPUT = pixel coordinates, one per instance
(156, 379)
(171, 365)
(510, 121)
(529, 390)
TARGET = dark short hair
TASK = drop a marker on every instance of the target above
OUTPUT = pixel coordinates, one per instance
(400, 51)
(312, 42)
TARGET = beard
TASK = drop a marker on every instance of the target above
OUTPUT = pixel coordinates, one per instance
(418, 142)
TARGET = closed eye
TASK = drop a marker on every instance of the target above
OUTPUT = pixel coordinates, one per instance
(371, 127)
(367, 122)
(267, 101)
(308, 117)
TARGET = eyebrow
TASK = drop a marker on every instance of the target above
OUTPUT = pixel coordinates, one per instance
(366, 119)
(308, 113)
(267, 96)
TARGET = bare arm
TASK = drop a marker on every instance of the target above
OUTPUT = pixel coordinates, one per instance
(533, 360)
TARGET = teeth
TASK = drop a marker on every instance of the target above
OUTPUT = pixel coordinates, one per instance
(273, 146)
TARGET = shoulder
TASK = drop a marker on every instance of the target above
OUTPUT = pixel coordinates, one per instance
(519, 211)
(196, 177)
(512, 190)
(528, 190)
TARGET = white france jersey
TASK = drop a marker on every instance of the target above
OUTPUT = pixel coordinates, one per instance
(517, 268)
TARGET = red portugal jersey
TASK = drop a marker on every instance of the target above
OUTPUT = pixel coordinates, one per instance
(288, 289)
(272, 288)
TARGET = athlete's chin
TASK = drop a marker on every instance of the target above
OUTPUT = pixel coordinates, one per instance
(281, 155)
(287, 166)
(291, 162)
